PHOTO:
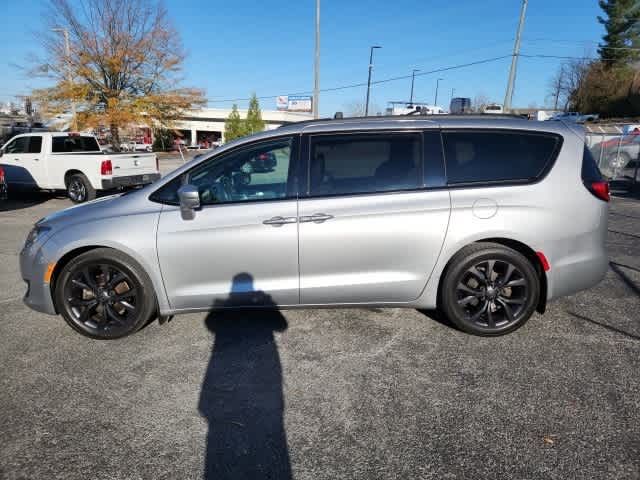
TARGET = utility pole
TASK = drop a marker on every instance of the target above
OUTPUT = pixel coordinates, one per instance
(67, 50)
(366, 104)
(435, 102)
(316, 69)
(452, 90)
(514, 59)
(413, 77)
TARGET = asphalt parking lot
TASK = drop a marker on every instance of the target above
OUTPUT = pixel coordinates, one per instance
(324, 394)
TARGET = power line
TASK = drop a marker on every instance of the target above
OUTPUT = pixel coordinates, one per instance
(563, 57)
(376, 82)
(577, 42)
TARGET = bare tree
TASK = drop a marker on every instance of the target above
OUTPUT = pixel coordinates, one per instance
(356, 109)
(479, 102)
(573, 79)
(556, 87)
(121, 64)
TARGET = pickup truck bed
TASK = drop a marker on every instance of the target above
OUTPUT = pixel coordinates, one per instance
(73, 162)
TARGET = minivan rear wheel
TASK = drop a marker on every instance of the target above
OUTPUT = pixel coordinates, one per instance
(489, 289)
(104, 294)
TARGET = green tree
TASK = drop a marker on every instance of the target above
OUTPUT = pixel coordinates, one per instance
(254, 122)
(621, 22)
(234, 126)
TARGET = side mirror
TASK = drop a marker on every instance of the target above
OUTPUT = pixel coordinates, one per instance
(189, 201)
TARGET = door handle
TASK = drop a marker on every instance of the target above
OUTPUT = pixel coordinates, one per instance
(278, 220)
(316, 218)
(37, 159)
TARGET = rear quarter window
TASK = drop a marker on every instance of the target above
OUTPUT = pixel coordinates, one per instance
(590, 170)
(498, 156)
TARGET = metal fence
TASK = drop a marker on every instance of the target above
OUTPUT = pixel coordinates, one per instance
(616, 149)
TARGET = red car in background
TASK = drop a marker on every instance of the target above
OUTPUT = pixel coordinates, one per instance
(626, 138)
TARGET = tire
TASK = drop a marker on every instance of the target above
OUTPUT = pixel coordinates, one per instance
(494, 306)
(104, 294)
(79, 188)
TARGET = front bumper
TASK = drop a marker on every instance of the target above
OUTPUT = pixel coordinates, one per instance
(33, 266)
(129, 181)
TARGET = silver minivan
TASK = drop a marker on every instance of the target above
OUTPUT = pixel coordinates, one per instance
(486, 219)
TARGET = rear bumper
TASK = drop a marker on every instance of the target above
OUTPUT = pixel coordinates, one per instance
(130, 181)
(577, 272)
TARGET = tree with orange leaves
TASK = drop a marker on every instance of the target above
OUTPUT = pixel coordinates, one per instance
(119, 67)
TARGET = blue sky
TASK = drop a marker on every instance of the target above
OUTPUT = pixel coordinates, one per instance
(236, 48)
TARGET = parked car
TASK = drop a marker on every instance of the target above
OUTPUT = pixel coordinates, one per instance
(624, 156)
(576, 117)
(136, 147)
(485, 218)
(4, 193)
(72, 162)
(493, 108)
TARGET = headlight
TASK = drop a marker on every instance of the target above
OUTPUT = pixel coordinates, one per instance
(34, 234)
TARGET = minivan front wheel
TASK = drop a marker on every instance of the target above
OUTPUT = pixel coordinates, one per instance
(103, 294)
(489, 289)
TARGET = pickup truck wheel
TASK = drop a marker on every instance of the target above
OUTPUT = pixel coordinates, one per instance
(79, 189)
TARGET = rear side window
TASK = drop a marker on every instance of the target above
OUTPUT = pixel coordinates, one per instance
(35, 144)
(490, 156)
(62, 144)
(590, 170)
(364, 163)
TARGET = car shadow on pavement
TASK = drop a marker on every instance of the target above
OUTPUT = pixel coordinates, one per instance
(628, 281)
(438, 316)
(604, 325)
(242, 397)
(24, 199)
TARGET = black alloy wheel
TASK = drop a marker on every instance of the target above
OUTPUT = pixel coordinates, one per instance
(492, 293)
(490, 289)
(104, 297)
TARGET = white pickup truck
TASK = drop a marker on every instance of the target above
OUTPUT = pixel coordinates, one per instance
(73, 162)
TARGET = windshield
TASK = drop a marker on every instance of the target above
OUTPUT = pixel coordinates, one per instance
(62, 144)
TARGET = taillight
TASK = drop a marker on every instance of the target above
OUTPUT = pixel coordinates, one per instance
(1, 175)
(600, 189)
(106, 168)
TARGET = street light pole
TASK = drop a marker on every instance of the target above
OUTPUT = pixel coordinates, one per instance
(316, 70)
(366, 105)
(413, 77)
(67, 50)
(435, 103)
(514, 60)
